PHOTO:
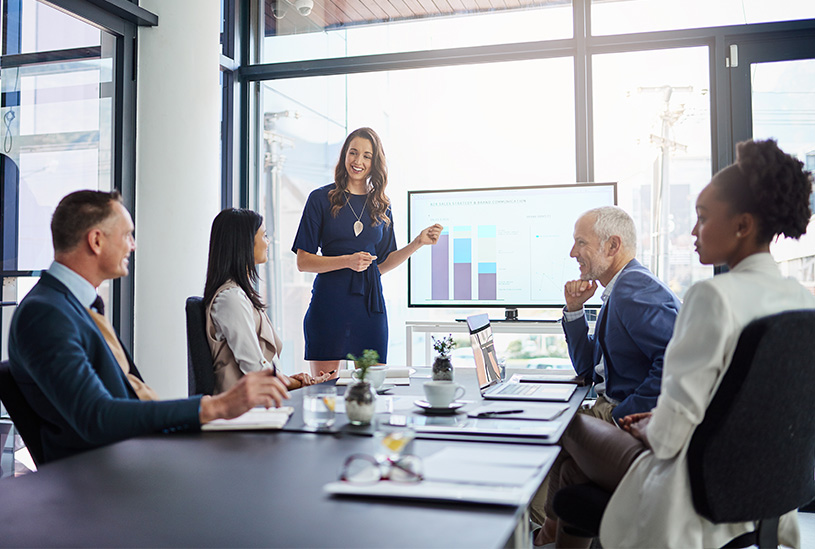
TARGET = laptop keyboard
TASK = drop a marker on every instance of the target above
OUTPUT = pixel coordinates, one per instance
(517, 389)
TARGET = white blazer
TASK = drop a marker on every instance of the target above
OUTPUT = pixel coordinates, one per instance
(652, 506)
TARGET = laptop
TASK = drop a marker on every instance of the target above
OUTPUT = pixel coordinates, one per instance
(489, 377)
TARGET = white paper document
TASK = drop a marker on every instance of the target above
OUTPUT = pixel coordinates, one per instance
(256, 418)
(497, 477)
(464, 425)
(496, 467)
(394, 376)
(540, 411)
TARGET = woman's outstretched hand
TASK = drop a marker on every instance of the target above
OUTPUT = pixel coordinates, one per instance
(430, 235)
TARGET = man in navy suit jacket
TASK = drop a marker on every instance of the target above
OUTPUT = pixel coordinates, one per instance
(64, 366)
(624, 356)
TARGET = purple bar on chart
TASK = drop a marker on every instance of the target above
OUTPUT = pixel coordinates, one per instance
(440, 264)
(462, 281)
(487, 286)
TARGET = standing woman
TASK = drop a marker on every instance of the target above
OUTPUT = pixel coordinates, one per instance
(350, 222)
(240, 334)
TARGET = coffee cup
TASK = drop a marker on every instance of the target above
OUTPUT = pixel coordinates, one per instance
(375, 376)
(440, 394)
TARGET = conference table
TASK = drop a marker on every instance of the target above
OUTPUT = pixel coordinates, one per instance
(245, 489)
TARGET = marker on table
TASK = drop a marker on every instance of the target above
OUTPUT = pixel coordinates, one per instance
(499, 413)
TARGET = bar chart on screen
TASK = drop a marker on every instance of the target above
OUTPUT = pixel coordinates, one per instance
(499, 247)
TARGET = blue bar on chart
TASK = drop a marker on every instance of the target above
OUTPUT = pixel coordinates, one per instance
(462, 262)
(487, 262)
(440, 265)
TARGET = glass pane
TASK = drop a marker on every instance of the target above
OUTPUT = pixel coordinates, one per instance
(56, 134)
(59, 137)
(652, 135)
(783, 94)
(46, 29)
(627, 16)
(489, 125)
(338, 29)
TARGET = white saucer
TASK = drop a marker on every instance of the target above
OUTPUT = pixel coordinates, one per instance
(449, 409)
(384, 389)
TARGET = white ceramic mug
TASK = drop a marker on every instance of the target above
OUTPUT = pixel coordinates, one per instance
(441, 393)
(376, 375)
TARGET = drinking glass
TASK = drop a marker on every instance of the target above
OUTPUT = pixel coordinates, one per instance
(318, 406)
(393, 436)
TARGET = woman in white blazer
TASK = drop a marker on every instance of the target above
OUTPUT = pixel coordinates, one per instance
(764, 194)
(240, 334)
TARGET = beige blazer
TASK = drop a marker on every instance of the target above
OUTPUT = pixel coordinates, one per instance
(227, 370)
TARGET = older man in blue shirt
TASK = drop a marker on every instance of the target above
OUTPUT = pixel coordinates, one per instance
(625, 354)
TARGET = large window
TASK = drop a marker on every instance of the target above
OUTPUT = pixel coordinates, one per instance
(306, 29)
(629, 91)
(57, 131)
(627, 16)
(449, 127)
(783, 95)
(652, 135)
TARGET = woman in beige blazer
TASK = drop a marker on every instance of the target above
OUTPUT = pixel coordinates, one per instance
(746, 205)
(240, 334)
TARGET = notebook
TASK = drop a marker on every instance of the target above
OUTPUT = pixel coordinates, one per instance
(254, 419)
(489, 377)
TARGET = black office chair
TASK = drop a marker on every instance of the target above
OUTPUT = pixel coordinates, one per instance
(753, 456)
(200, 370)
(25, 419)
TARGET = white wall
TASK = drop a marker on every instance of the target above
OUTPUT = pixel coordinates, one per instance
(177, 179)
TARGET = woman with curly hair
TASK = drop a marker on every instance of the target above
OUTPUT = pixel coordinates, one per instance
(350, 222)
(745, 206)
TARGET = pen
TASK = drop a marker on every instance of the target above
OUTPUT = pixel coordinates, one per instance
(499, 412)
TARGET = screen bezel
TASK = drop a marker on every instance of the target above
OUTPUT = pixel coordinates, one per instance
(480, 305)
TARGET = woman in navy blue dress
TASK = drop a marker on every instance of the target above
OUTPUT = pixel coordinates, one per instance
(350, 222)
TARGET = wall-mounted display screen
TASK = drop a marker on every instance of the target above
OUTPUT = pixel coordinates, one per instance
(501, 247)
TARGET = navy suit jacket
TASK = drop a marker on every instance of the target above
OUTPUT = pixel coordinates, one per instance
(71, 379)
(633, 328)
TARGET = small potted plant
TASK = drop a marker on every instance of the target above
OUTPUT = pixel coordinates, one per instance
(360, 396)
(442, 367)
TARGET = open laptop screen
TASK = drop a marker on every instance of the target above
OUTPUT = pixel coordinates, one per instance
(486, 363)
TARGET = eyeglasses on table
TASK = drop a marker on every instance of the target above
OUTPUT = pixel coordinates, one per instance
(366, 469)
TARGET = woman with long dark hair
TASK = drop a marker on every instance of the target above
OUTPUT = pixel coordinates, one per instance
(240, 334)
(746, 205)
(350, 222)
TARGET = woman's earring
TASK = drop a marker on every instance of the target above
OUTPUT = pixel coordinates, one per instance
(738, 234)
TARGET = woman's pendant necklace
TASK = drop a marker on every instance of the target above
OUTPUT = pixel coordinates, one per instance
(358, 226)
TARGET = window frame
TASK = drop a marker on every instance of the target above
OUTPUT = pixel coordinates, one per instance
(121, 19)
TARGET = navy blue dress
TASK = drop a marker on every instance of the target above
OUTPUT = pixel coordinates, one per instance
(347, 311)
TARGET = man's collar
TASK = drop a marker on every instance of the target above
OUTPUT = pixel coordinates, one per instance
(76, 284)
(608, 288)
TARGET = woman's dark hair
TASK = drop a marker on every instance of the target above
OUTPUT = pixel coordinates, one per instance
(379, 203)
(770, 184)
(232, 253)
